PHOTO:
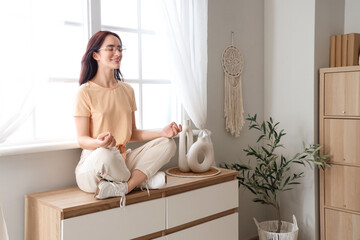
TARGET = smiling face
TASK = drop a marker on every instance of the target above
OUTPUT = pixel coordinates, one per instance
(109, 54)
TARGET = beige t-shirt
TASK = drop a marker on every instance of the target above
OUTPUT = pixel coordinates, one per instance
(109, 110)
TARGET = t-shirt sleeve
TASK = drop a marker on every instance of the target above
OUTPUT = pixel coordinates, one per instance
(131, 94)
(82, 104)
(133, 101)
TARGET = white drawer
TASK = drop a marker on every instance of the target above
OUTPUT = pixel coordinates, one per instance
(221, 228)
(119, 223)
(200, 203)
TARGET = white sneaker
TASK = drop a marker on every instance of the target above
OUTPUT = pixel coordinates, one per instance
(155, 182)
(108, 189)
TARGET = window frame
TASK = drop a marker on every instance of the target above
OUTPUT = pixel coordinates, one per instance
(141, 80)
(91, 25)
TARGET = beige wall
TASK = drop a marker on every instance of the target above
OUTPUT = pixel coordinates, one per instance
(245, 19)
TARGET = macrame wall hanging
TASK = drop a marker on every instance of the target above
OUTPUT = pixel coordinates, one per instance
(233, 63)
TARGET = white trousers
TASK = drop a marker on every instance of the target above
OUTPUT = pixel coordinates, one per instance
(109, 164)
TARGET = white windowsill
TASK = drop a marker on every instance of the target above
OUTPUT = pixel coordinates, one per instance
(37, 147)
(46, 147)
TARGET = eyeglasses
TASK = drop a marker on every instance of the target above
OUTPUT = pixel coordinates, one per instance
(112, 48)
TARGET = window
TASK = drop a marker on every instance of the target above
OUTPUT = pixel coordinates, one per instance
(145, 63)
(46, 42)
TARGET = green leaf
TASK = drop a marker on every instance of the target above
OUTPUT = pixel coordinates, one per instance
(263, 127)
(261, 137)
(259, 200)
(286, 181)
(266, 151)
(269, 125)
(318, 163)
(299, 162)
(251, 190)
(254, 126)
(268, 172)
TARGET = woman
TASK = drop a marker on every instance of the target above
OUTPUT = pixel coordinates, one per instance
(105, 123)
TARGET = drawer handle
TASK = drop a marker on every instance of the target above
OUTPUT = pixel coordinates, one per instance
(343, 112)
(344, 205)
(343, 159)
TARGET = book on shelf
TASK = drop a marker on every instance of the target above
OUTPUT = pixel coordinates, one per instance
(353, 49)
(332, 50)
(338, 50)
(344, 50)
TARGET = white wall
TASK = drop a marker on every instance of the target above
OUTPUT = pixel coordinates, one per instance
(289, 99)
(30, 173)
(352, 16)
(296, 44)
(245, 19)
(329, 20)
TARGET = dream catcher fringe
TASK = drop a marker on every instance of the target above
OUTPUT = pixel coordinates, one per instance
(232, 62)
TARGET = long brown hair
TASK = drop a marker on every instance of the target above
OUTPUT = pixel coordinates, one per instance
(89, 65)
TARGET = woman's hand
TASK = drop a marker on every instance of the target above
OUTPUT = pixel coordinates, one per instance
(171, 130)
(106, 140)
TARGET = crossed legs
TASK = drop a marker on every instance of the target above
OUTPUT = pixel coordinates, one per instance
(108, 164)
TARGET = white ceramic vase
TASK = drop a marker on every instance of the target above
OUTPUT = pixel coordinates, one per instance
(185, 141)
(190, 153)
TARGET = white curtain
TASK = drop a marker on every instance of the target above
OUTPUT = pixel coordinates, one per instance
(16, 85)
(27, 55)
(23, 103)
(3, 229)
(185, 24)
(28, 59)
(10, 121)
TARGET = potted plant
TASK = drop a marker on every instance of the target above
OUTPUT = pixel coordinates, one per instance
(270, 174)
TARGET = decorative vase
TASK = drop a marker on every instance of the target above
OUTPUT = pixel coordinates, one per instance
(185, 141)
(190, 153)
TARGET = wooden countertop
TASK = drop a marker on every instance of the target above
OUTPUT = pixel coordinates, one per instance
(72, 202)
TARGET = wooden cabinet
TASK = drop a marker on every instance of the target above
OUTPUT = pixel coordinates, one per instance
(342, 93)
(339, 133)
(342, 187)
(187, 208)
(341, 225)
(342, 140)
(138, 219)
(210, 230)
(180, 207)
